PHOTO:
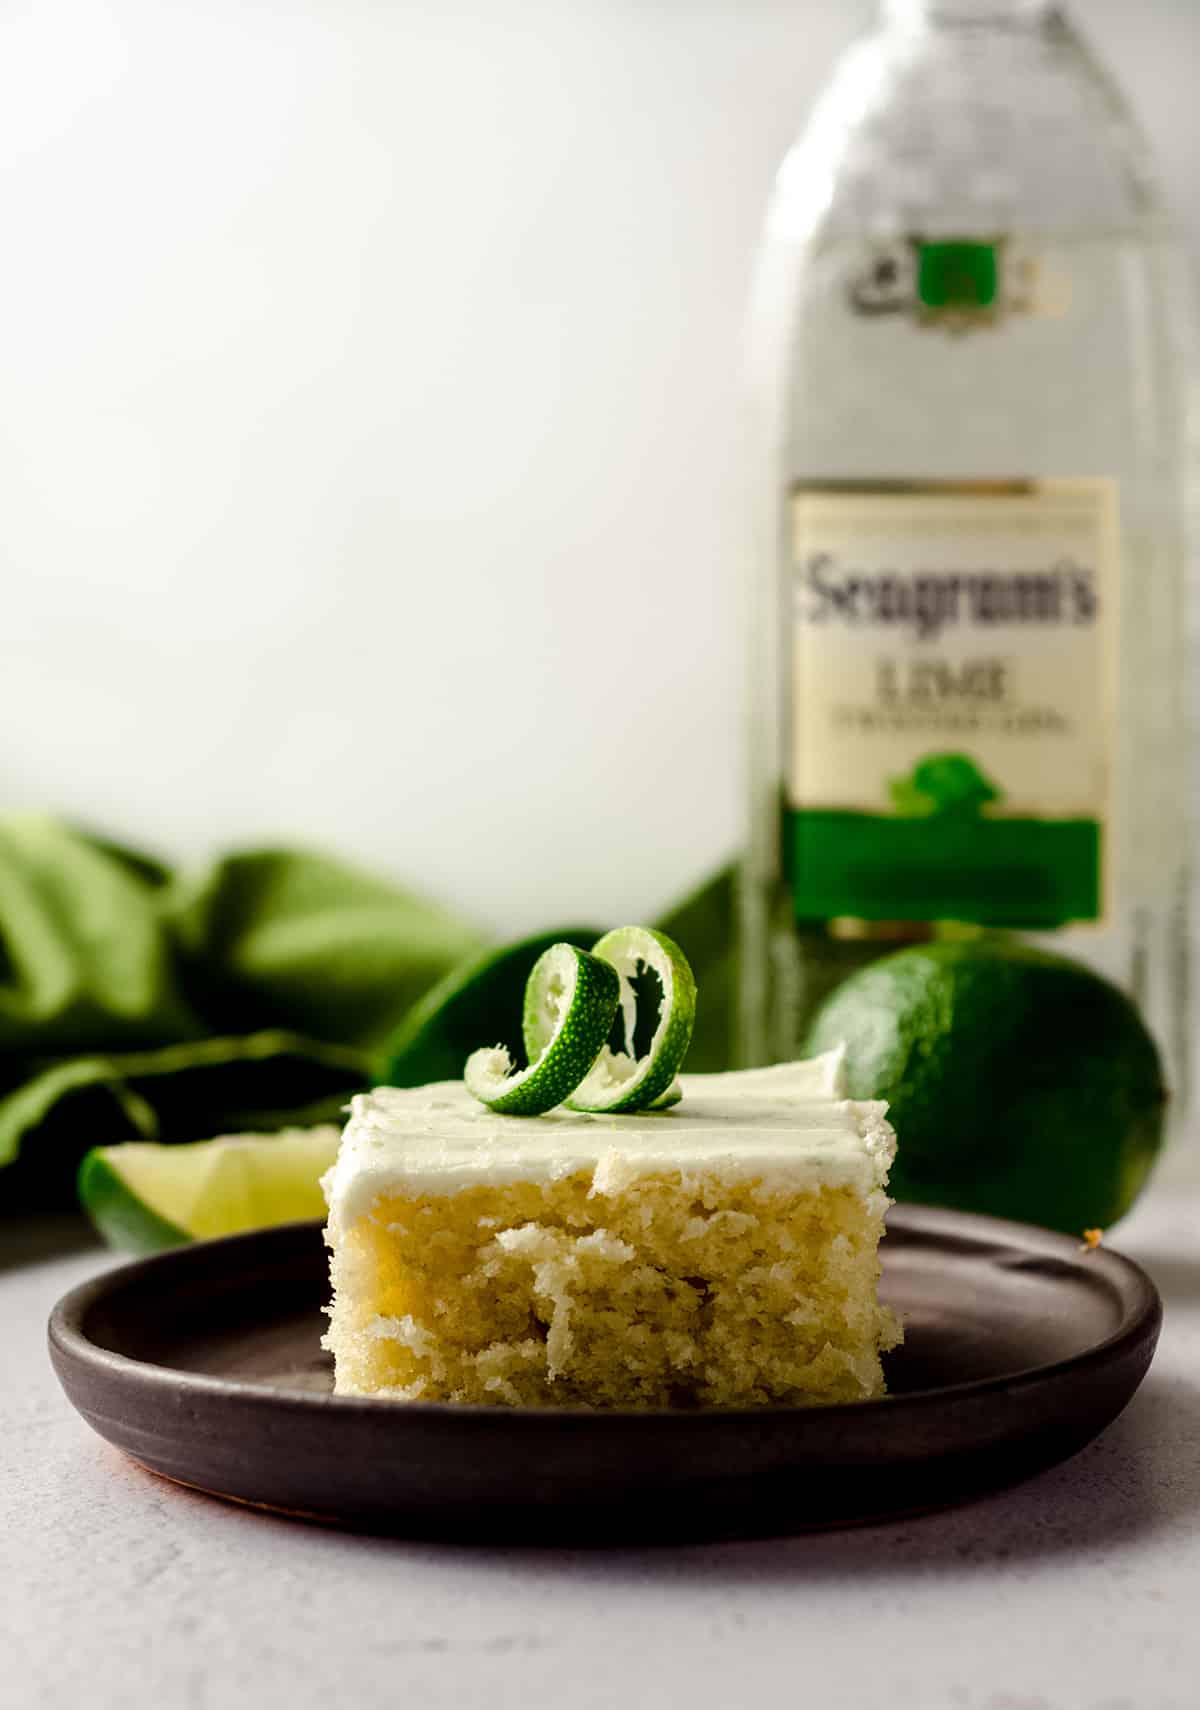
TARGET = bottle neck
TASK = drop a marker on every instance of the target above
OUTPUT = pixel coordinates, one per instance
(965, 12)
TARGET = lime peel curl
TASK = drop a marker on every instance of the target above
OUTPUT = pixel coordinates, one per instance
(571, 1001)
(619, 1082)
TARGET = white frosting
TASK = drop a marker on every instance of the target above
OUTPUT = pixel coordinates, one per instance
(790, 1125)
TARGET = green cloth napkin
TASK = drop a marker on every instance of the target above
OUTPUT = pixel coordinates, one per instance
(140, 1003)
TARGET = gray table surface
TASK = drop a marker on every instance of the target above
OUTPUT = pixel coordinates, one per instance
(1081, 1588)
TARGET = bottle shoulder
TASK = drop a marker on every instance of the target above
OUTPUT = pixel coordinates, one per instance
(968, 132)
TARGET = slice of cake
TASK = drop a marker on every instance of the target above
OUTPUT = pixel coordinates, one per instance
(720, 1254)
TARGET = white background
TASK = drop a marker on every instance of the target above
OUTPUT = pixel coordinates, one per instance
(368, 418)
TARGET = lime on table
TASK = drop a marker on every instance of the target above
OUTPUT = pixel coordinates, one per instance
(143, 1197)
(1019, 1083)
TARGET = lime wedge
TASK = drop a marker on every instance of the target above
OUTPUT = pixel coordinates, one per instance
(143, 1197)
(570, 1001)
(620, 1080)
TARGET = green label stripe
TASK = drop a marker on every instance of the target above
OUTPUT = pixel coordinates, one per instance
(996, 872)
(958, 275)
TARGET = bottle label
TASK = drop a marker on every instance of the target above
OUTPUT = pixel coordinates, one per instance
(958, 285)
(952, 682)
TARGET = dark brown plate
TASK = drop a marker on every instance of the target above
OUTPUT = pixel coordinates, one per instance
(204, 1365)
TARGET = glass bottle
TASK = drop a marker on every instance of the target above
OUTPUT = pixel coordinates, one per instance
(965, 678)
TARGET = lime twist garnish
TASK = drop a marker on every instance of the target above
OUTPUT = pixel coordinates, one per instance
(618, 1081)
(571, 1002)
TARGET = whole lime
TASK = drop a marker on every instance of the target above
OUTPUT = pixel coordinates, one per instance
(1019, 1083)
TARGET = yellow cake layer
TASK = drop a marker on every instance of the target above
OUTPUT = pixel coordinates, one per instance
(678, 1288)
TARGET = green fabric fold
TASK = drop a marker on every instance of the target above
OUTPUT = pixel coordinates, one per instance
(85, 956)
(273, 937)
(137, 1003)
(260, 991)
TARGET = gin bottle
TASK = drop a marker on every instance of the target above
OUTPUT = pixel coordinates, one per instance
(965, 681)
